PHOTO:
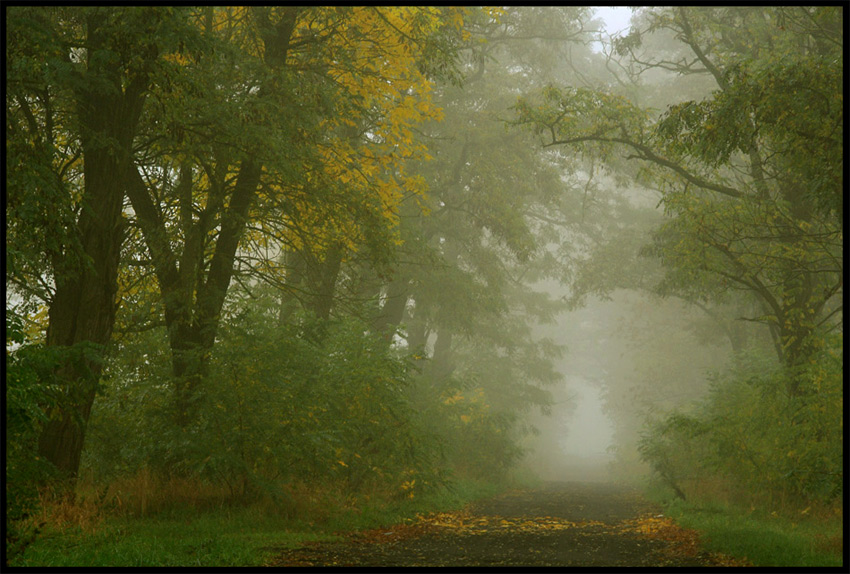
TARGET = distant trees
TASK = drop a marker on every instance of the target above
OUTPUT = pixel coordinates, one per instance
(751, 184)
(463, 292)
(750, 175)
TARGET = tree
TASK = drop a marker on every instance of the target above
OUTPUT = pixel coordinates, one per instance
(748, 208)
(193, 285)
(313, 163)
(495, 222)
(78, 81)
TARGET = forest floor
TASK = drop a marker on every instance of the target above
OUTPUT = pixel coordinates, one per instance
(559, 524)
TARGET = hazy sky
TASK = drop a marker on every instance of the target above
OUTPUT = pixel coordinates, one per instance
(616, 17)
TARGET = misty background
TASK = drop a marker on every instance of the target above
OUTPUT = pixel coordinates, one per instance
(313, 259)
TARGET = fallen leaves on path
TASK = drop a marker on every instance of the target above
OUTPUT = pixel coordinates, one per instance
(465, 523)
(571, 524)
(681, 541)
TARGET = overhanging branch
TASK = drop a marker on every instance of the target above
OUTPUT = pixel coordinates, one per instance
(647, 154)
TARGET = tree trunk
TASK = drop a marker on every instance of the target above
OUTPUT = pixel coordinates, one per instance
(324, 282)
(192, 335)
(193, 321)
(442, 362)
(295, 269)
(84, 304)
(417, 334)
(392, 310)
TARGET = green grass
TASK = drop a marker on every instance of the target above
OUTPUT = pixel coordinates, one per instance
(223, 537)
(763, 538)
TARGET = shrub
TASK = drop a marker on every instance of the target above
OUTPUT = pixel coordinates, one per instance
(28, 367)
(313, 401)
(752, 430)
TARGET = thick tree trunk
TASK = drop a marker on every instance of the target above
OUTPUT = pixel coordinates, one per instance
(324, 279)
(189, 360)
(84, 304)
(295, 271)
(417, 335)
(442, 362)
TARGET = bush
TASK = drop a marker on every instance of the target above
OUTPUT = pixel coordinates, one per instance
(480, 443)
(28, 367)
(752, 430)
(283, 404)
(312, 401)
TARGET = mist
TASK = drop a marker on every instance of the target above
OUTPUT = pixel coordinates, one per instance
(323, 259)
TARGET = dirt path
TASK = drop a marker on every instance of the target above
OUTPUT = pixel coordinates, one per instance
(561, 524)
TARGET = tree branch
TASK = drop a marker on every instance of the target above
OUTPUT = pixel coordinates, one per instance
(648, 155)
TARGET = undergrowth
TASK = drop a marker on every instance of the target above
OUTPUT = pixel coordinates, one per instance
(778, 534)
(86, 532)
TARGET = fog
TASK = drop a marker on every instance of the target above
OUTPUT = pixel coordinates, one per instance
(380, 249)
(615, 21)
(585, 449)
(590, 432)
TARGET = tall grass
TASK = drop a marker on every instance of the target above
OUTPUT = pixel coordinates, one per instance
(147, 521)
(769, 533)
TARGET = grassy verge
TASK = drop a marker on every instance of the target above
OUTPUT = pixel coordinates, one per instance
(222, 537)
(764, 538)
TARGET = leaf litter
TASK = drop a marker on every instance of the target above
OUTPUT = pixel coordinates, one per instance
(518, 537)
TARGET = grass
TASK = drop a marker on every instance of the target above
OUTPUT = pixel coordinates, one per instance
(222, 538)
(792, 538)
(225, 536)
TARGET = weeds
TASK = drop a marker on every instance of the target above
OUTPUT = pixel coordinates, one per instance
(146, 520)
(766, 532)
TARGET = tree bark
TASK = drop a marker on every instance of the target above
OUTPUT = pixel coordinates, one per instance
(193, 320)
(442, 362)
(324, 280)
(295, 270)
(84, 304)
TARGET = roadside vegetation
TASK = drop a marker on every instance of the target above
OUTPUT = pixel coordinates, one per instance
(194, 524)
(757, 472)
(766, 534)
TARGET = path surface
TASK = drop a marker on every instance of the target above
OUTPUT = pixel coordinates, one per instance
(560, 524)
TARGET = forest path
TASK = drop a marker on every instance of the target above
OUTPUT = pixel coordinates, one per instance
(559, 524)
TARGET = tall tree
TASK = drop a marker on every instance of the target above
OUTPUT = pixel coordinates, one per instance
(194, 284)
(78, 80)
(463, 292)
(284, 128)
(751, 174)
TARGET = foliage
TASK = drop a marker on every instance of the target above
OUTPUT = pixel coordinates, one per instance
(325, 258)
(283, 405)
(773, 183)
(26, 398)
(766, 538)
(298, 408)
(493, 224)
(227, 535)
(749, 429)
